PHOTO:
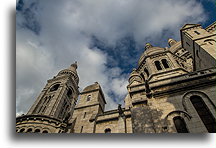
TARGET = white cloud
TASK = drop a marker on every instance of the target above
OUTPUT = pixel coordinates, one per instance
(66, 28)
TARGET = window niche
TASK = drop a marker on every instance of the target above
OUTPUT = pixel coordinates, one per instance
(69, 93)
(204, 113)
(180, 125)
(54, 88)
(22, 130)
(45, 131)
(37, 131)
(88, 98)
(107, 130)
(158, 65)
(29, 130)
(165, 63)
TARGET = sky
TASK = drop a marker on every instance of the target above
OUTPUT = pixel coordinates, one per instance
(105, 37)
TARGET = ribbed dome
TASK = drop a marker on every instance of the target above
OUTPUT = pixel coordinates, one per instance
(150, 50)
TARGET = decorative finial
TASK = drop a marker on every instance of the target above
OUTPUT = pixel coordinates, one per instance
(171, 42)
(74, 65)
(148, 45)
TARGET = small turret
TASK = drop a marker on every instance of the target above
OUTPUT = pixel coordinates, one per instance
(147, 46)
(135, 76)
(172, 42)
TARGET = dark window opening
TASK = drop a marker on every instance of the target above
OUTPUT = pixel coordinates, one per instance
(146, 71)
(81, 130)
(107, 130)
(37, 131)
(22, 130)
(180, 125)
(69, 93)
(88, 97)
(29, 130)
(165, 63)
(55, 87)
(197, 32)
(84, 115)
(204, 113)
(45, 131)
(158, 65)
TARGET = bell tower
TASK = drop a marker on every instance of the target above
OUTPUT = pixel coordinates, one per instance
(90, 105)
(56, 102)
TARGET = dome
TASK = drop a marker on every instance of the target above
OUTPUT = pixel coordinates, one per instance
(94, 86)
(150, 50)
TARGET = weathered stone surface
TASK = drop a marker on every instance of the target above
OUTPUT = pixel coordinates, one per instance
(159, 92)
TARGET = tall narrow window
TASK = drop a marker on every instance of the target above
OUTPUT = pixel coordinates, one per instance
(88, 97)
(69, 93)
(84, 115)
(180, 124)
(165, 63)
(146, 71)
(44, 103)
(158, 65)
(81, 130)
(204, 113)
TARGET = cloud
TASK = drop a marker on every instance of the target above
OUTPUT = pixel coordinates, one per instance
(53, 34)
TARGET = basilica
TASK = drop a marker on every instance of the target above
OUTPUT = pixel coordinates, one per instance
(171, 90)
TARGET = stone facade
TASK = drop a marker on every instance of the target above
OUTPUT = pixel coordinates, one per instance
(172, 90)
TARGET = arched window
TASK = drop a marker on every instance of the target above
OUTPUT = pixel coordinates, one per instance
(45, 131)
(55, 87)
(88, 98)
(22, 130)
(146, 71)
(107, 130)
(204, 113)
(44, 103)
(37, 131)
(69, 93)
(180, 124)
(165, 63)
(158, 65)
(29, 130)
